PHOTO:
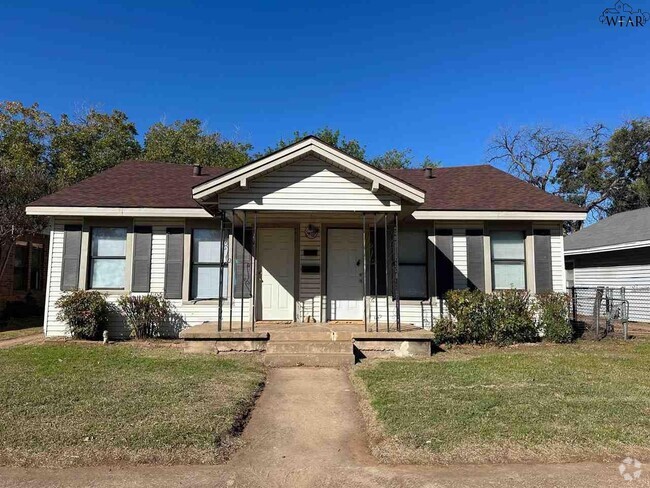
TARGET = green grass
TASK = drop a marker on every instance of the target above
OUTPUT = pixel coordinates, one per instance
(78, 404)
(531, 403)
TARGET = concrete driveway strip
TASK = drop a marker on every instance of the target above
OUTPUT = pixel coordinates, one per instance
(306, 431)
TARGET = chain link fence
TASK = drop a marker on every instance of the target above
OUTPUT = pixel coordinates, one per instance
(618, 311)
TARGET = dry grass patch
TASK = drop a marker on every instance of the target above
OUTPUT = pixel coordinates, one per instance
(79, 404)
(542, 403)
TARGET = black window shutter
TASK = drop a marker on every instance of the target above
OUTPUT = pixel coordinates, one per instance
(444, 262)
(243, 284)
(475, 259)
(377, 258)
(174, 263)
(71, 257)
(141, 259)
(543, 265)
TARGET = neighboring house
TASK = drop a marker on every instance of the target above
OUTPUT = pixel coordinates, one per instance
(614, 252)
(24, 276)
(282, 238)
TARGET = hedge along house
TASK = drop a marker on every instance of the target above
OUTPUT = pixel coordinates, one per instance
(305, 234)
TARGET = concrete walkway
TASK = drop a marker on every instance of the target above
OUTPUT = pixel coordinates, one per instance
(306, 431)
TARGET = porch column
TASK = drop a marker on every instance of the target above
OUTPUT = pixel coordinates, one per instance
(396, 268)
(365, 278)
(222, 247)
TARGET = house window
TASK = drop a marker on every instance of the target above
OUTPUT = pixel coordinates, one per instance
(108, 258)
(208, 265)
(36, 268)
(413, 264)
(508, 260)
(21, 258)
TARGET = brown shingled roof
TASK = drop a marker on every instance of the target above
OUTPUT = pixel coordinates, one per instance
(480, 187)
(134, 184)
(167, 185)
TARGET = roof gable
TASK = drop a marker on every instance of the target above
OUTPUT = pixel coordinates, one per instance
(309, 184)
(310, 146)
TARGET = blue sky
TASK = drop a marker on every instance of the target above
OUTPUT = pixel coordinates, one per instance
(438, 77)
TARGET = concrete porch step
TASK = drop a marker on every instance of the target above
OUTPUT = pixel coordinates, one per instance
(309, 347)
(323, 360)
(294, 335)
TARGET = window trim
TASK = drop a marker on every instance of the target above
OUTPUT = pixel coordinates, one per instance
(196, 264)
(424, 264)
(91, 258)
(494, 261)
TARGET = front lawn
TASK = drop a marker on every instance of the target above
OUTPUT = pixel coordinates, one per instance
(84, 404)
(542, 403)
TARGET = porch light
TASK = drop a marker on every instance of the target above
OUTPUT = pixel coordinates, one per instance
(312, 231)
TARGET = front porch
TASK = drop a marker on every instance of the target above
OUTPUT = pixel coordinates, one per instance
(310, 344)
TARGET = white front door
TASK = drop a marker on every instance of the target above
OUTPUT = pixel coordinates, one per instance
(276, 262)
(345, 274)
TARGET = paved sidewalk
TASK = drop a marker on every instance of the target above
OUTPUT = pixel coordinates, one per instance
(306, 431)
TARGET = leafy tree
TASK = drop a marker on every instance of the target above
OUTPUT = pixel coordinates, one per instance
(391, 159)
(431, 163)
(25, 132)
(20, 184)
(628, 150)
(400, 159)
(92, 142)
(188, 142)
(351, 147)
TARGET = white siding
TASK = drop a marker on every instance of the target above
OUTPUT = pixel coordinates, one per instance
(557, 261)
(188, 313)
(309, 301)
(309, 184)
(413, 313)
(460, 259)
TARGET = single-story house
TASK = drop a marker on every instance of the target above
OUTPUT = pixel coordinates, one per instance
(614, 252)
(305, 234)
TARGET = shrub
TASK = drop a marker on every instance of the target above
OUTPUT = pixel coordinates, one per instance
(553, 311)
(145, 315)
(475, 317)
(86, 313)
(444, 331)
(514, 319)
(468, 308)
